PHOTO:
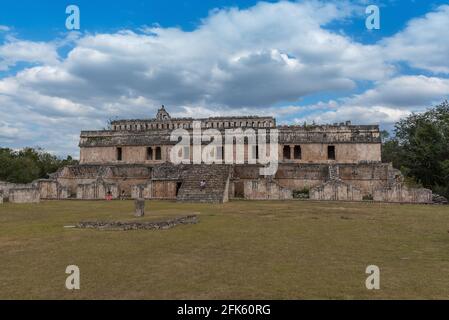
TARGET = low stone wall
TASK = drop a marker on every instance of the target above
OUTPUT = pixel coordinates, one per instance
(137, 225)
(155, 189)
(142, 191)
(264, 189)
(401, 193)
(6, 186)
(335, 190)
(24, 195)
(52, 190)
(96, 190)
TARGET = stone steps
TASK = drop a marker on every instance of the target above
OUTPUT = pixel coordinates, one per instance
(216, 177)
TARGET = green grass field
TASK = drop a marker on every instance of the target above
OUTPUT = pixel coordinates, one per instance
(238, 250)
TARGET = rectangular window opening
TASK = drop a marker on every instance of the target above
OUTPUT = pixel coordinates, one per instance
(331, 152)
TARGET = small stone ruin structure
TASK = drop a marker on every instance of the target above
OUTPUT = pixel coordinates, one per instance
(24, 195)
(19, 193)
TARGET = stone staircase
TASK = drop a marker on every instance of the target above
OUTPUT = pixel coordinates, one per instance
(217, 183)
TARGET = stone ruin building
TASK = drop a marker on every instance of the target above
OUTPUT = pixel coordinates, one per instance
(319, 162)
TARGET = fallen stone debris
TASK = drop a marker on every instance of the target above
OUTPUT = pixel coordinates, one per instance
(137, 225)
(437, 199)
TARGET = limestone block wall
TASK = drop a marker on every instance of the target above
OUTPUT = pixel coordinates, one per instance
(48, 189)
(125, 176)
(6, 186)
(356, 152)
(98, 155)
(130, 155)
(310, 153)
(367, 176)
(364, 178)
(401, 193)
(335, 190)
(142, 191)
(299, 176)
(64, 193)
(264, 189)
(96, 190)
(24, 195)
(164, 189)
(344, 152)
(157, 189)
(51, 189)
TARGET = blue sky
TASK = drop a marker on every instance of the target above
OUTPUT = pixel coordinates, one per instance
(299, 61)
(43, 20)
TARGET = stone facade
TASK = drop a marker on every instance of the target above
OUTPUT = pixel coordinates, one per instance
(265, 189)
(97, 190)
(24, 195)
(19, 193)
(336, 190)
(155, 189)
(5, 187)
(52, 190)
(401, 193)
(132, 159)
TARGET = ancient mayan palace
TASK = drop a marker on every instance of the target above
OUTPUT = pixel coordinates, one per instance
(131, 159)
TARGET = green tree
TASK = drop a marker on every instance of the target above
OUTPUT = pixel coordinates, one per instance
(420, 148)
(28, 164)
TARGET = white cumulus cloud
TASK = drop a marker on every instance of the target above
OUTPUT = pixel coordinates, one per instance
(259, 60)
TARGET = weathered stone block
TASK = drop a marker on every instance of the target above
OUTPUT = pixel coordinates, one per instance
(264, 189)
(335, 190)
(401, 193)
(96, 190)
(24, 195)
(139, 207)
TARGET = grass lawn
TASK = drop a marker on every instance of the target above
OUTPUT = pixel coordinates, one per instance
(238, 250)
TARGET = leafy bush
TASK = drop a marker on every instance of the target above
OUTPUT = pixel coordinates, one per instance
(420, 148)
(301, 194)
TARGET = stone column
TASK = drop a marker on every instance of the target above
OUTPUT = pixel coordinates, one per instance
(292, 152)
(139, 207)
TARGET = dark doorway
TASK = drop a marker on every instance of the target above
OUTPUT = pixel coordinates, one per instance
(297, 152)
(178, 186)
(286, 152)
(119, 154)
(239, 189)
(149, 153)
(158, 153)
(331, 152)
